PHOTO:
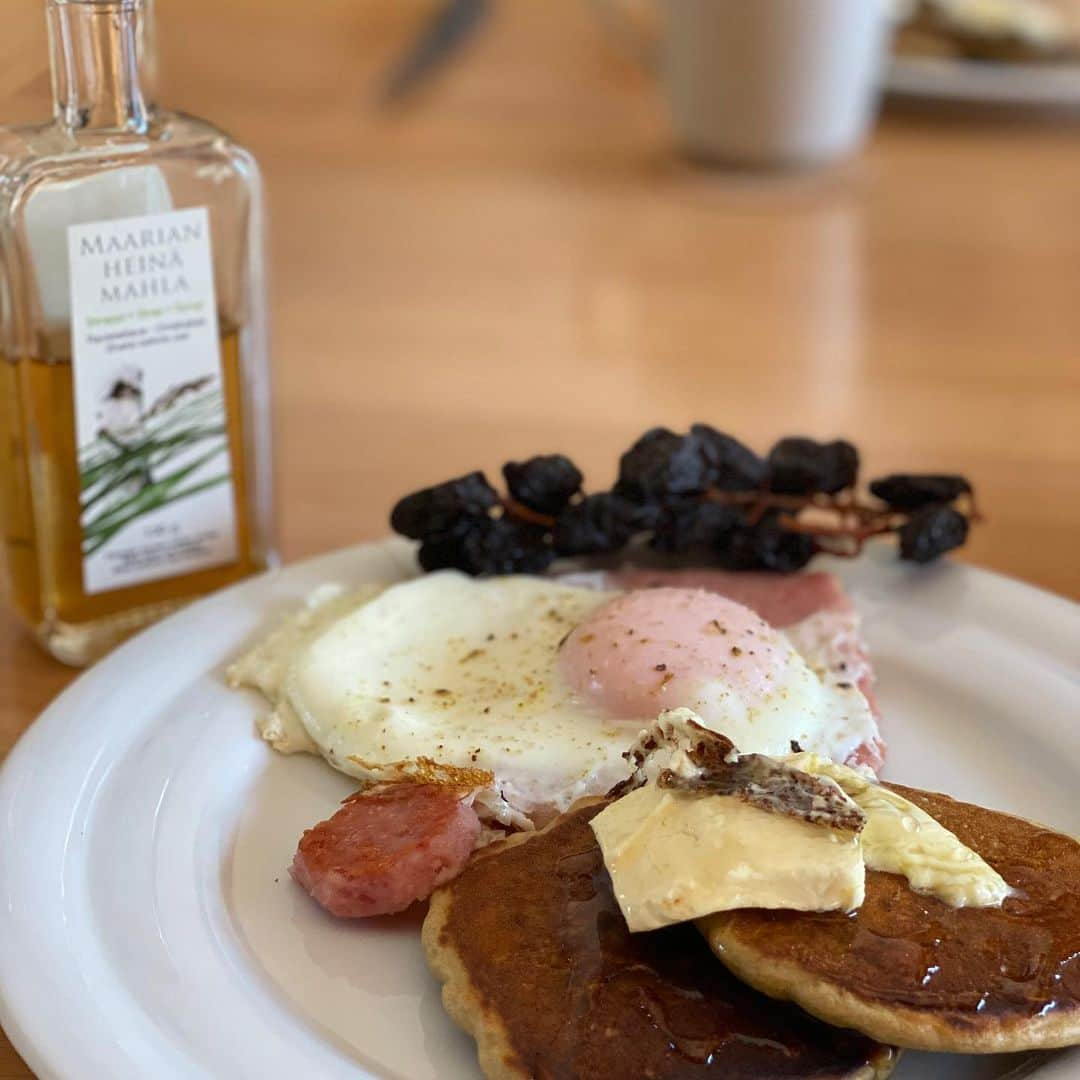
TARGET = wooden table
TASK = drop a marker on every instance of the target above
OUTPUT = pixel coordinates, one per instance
(517, 262)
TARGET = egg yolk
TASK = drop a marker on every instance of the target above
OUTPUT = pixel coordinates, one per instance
(654, 649)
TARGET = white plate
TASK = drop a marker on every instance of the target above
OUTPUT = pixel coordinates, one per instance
(982, 82)
(148, 927)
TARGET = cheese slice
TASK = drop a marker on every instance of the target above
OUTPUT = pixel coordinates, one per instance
(901, 838)
(674, 856)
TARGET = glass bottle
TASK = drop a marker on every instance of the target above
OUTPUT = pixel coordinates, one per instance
(134, 396)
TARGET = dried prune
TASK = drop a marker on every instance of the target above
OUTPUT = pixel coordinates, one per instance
(690, 525)
(439, 509)
(912, 491)
(801, 466)
(733, 466)
(442, 551)
(597, 524)
(545, 484)
(931, 532)
(489, 546)
(661, 465)
(644, 515)
(765, 545)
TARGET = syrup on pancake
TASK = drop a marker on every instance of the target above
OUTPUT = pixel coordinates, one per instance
(540, 967)
(912, 969)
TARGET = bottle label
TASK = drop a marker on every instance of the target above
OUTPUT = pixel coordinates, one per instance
(155, 471)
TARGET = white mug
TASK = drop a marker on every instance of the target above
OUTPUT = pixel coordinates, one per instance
(772, 82)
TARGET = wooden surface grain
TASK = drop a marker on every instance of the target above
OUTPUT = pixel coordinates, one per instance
(518, 261)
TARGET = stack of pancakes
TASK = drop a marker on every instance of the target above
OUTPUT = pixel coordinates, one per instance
(538, 965)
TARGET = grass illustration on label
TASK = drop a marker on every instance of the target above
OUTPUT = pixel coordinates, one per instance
(143, 459)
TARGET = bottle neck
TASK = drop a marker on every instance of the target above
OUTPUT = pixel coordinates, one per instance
(97, 53)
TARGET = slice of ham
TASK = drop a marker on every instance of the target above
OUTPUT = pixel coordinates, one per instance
(871, 754)
(780, 599)
(812, 609)
(387, 847)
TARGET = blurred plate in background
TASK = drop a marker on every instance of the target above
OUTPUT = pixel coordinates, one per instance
(984, 82)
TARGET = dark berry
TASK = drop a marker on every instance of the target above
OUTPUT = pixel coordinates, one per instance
(800, 466)
(545, 484)
(599, 523)
(766, 545)
(690, 525)
(489, 546)
(442, 551)
(907, 491)
(662, 464)
(509, 547)
(931, 532)
(733, 466)
(644, 515)
(439, 509)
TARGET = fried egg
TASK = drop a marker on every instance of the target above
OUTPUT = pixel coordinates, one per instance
(542, 684)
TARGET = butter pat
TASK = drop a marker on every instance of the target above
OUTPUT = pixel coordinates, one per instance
(674, 856)
(900, 838)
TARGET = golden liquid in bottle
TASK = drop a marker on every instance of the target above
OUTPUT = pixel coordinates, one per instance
(16, 512)
(45, 550)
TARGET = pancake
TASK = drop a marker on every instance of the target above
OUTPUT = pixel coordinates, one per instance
(910, 970)
(538, 966)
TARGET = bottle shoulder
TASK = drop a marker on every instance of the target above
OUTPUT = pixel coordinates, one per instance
(33, 156)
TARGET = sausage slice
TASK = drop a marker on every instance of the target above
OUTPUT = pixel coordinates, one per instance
(386, 848)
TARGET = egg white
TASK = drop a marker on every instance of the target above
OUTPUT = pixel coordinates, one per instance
(827, 714)
(465, 672)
